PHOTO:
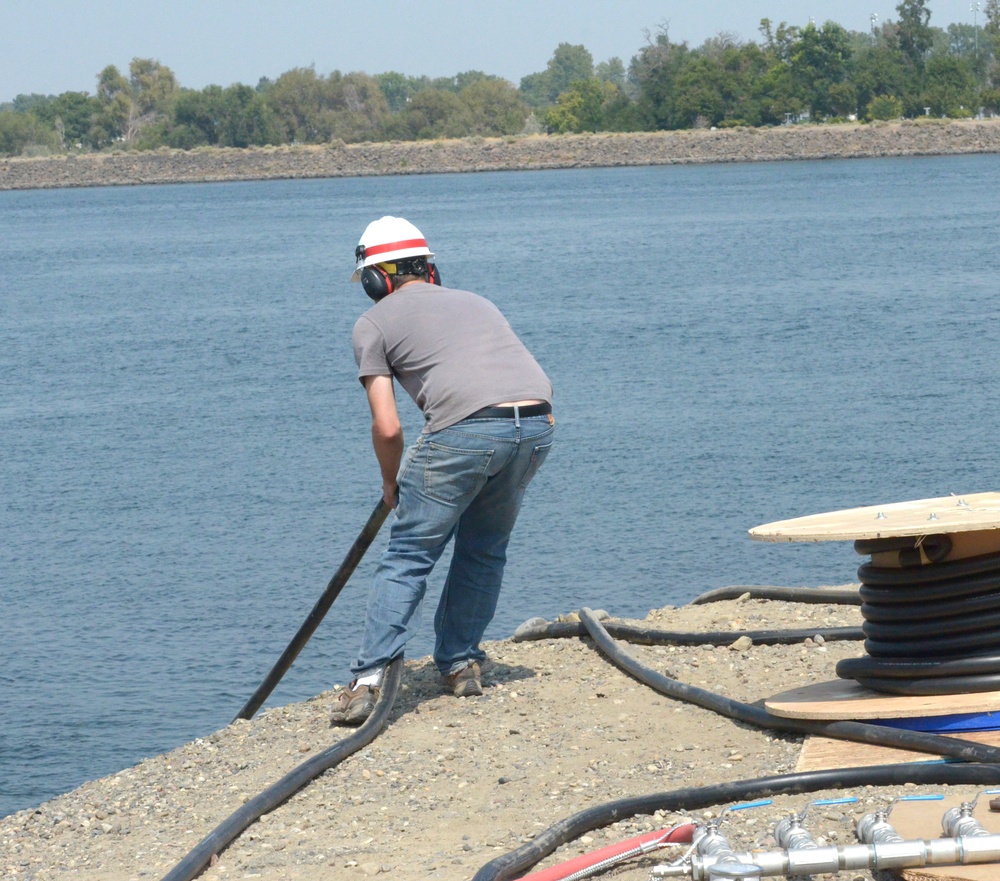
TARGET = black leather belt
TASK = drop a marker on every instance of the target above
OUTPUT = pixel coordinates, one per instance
(508, 412)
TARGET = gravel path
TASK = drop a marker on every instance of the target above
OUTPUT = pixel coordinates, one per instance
(452, 784)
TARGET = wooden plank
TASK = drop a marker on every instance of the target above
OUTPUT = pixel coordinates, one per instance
(950, 514)
(846, 699)
(826, 753)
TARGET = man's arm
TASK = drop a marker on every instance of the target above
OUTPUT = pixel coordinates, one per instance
(387, 433)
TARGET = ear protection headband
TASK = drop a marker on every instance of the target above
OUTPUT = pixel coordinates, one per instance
(378, 283)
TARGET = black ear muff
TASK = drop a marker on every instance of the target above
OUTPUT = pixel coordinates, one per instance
(376, 282)
(433, 275)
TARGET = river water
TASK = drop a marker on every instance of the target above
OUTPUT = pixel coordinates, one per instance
(184, 447)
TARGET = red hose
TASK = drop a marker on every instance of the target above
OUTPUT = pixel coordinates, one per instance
(676, 835)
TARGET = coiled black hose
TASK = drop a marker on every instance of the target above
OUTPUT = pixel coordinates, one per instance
(931, 628)
(293, 781)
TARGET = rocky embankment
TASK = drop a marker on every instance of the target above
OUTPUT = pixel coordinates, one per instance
(926, 137)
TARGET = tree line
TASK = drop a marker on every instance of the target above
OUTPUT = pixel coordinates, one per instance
(898, 68)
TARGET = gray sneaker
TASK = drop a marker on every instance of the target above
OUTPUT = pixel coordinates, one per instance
(466, 682)
(354, 704)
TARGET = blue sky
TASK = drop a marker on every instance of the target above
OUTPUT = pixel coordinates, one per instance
(53, 46)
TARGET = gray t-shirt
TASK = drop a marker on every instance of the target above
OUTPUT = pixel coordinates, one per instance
(452, 351)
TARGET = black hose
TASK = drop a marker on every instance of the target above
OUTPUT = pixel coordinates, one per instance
(930, 629)
(293, 781)
(515, 863)
(930, 611)
(832, 595)
(651, 636)
(854, 668)
(308, 628)
(878, 591)
(932, 685)
(859, 732)
(970, 622)
(911, 549)
(869, 573)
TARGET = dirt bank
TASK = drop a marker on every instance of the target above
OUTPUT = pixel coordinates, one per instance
(911, 138)
(452, 784)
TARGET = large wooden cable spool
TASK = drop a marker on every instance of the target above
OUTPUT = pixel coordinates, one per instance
(930, 595)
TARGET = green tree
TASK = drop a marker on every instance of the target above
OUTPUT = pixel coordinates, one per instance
(431, 113)
(534, 89)
(110, 121)
(581, 107)
(297, 100)
(878, 71)
(655, 70)
(313, 109)
(818, 63)
(961, 39)
(884, 107)
(67, 116)
(244, 119)
(990, 100)
(494, 107)
(357, 107)
(701, 86)
(991, 41)
(569, 63)
(195, 118)
(914, 31)
(70, 115)
(20, 132)
(612, 71)
(950, 88)
(127, 106)
(396, 88)
(462, 81)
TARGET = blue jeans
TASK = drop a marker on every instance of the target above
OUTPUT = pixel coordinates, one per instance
(467, 482)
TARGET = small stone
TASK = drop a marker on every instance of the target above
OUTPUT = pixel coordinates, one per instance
(741, 644)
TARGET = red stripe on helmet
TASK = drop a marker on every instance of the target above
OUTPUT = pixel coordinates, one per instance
(372, 250)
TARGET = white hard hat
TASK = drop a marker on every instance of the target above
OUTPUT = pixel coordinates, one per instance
(386, 240)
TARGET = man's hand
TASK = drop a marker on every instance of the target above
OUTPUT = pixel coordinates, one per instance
(387, 433)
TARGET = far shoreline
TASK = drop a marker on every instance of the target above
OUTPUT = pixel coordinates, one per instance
(921, 137)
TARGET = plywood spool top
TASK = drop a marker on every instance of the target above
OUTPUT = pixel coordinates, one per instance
(847, 699)
(976, 511)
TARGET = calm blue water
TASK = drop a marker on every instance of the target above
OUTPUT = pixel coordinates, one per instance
(185, 454)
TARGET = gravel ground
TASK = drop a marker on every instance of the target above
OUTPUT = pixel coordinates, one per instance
(452, 784)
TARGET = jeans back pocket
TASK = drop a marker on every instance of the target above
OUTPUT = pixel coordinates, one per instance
(451, 474)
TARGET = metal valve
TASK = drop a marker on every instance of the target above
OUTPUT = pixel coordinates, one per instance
(789, 831)
(959, 821)
(874, 828)
(712, 846)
